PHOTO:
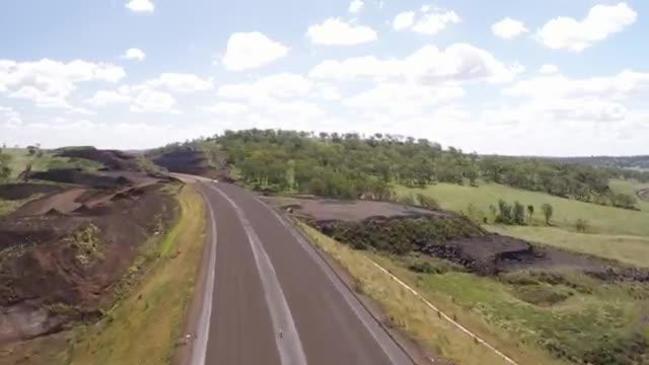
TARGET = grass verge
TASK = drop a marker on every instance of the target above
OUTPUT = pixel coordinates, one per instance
(145, 325)
(415, 318)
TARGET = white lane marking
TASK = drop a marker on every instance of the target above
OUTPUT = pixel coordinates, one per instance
(444, 315)
(199, 350)
(287, 339)
(345, 293)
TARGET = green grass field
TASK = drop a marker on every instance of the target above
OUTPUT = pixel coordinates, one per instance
(20, 158)
(601, 219)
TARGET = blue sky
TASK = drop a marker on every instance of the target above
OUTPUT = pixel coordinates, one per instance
(511, 77)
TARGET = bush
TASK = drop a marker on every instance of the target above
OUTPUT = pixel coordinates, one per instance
(581, 225)
(427, 201)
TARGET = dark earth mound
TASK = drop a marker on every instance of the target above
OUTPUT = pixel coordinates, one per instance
(111, 159)
(77, 176)
(185, 161)
(64, 267)
(24, 191)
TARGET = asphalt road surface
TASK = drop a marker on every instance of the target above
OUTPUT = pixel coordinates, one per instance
(272, 300)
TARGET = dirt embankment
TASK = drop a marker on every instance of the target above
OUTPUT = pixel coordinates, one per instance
(111, 159)
(61, 255)
(401, 229)
(186, 160)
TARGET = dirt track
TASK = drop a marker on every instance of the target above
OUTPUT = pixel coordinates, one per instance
(248, 325)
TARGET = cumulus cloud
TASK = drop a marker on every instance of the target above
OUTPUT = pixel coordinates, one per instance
(549, 69)
(429, 65)
(619, 86)
(336, 32)
(141, 6)
(401, 99)
(134, 54)
(48, 83)
(183, 83)
(508, 28)
(154, 95)
(356, 6)
(559, 99)
(428, 20)
(154, 101)
(283, 85)
(251, 50)
(10, 118)
(577, 35)
(403, 20)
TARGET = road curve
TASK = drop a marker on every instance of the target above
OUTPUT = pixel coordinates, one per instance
(273, 300)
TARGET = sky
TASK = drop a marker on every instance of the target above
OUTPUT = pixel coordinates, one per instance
(510, 77)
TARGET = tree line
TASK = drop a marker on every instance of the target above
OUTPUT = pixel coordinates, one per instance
(352, 166)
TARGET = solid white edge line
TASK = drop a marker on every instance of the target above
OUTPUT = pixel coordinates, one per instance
(199, 350)
(286, 336)
(333, 278)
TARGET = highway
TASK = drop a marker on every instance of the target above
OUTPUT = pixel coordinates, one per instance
(269, 298)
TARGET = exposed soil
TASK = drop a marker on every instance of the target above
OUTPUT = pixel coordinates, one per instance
(111, 159)
(349, 211)
(62, 254)
(77, 176)
(24, 191)
(399, 229)
(191, 161)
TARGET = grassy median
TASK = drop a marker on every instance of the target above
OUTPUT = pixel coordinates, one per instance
(144, 327)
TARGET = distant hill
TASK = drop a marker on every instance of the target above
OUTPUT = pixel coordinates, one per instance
(625, 162)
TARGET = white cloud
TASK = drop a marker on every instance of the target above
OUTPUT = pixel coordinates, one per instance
(284, 85)
(429, 65)
(549, 69)
(403, 20)
(108, 97)
(428, 20)
(335, 31)
(508, 28)
(251, 50)
(401, 99)
(577, 35)
(141, 6)
(153, 101)
(227, 108)
(180, 83)
(134, 54)
(620, 86)
(10, 118)
(49, 83)
(356, 6)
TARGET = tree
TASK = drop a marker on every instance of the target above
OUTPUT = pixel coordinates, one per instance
(505, 215)
(5, 169)
(547, 212)
(518, 215)
(530, 213)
